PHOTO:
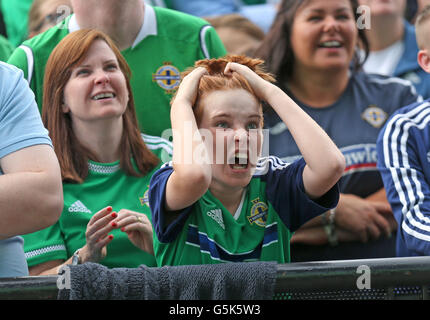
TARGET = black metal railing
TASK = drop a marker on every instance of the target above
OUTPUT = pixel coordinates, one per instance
(370, 279)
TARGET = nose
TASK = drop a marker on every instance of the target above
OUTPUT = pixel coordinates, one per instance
(101, 77)
(240, 134)
(331, 24)
(241, 138)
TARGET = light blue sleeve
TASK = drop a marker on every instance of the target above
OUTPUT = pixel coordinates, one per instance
(20, 121)
(20, 127)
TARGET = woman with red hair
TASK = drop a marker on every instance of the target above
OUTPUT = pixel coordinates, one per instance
(106, 163)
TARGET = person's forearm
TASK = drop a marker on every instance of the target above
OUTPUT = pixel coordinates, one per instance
(324, 160)
(317, 236)
(29, 201)
(379, 195)
(187, 143)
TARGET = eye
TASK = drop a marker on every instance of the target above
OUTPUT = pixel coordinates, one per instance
(314, 18)
(343, 17)
(222, 124)
(82, 72)
(111, 66)
(252, 125)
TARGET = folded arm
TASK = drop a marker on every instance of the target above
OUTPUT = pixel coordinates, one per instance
(31, 193)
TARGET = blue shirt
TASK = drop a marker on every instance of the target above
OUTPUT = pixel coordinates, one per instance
(404, 162)
(353, 123)
(20, 127)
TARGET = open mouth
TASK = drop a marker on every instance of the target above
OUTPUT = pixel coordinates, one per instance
(104, 95)
(240, 161)
(330, 44)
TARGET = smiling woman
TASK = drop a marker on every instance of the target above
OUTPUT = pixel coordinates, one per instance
(106, 163)
(314, 49)
(96, 91)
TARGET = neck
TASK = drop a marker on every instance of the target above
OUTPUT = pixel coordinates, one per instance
(384, 32)
(120, 20)
(315, 89)
(103, 138)
(230, 199)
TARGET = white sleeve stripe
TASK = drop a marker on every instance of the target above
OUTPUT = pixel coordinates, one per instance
(404, 82)
(274, 162)
(399, 126)
(203, 41)
(415, 234)
(30, 61)
(41, 251)
(154, 143)
(164, 147)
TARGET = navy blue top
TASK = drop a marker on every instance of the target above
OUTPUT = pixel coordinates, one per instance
(353, 123)
(404, 162)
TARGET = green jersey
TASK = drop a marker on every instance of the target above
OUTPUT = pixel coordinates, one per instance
(6, 49)
(168, 43)
(105, 185)
(273, 205)
(15, 15)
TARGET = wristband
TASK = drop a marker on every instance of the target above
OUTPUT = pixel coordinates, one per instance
(76, 258)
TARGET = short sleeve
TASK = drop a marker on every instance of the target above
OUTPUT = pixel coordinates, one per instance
(20, 121)
(285, 191)
(157, 200)
(45, 245)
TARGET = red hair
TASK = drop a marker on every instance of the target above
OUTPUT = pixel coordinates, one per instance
(216, 80)
(72, 155)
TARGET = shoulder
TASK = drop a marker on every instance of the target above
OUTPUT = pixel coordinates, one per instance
(11, 80)
(7, 71)
(155, 143)
(390, 91)
(49, 38)
(270, 163)
(413, 114)
(173, 17)
(383, 82)
(179, 26)
(272, 167)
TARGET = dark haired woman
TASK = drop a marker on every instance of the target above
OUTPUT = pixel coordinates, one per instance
(313, 50)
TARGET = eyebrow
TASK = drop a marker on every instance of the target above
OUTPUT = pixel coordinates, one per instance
(228, 115)
(322, 10)
(104, 62)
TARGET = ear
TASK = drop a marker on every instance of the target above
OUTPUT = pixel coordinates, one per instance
(65, 108)
(424, 60)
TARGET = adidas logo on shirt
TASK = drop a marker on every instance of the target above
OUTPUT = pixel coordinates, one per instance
(216, 214)
(78, 206)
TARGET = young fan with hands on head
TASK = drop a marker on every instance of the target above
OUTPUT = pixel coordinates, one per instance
(106, 163)
(235, 206)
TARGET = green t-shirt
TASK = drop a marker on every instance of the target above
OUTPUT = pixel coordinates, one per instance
(273, 206)
(105, 185)
(15, 16)
(6, 49)
(168, 43)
